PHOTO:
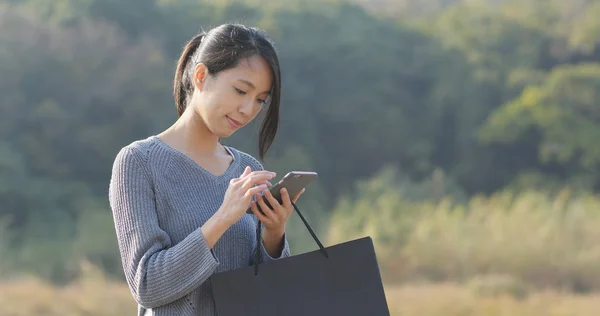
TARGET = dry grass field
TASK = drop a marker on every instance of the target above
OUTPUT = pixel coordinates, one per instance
(98, 297)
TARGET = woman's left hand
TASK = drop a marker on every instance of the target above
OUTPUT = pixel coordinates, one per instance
(276, 216)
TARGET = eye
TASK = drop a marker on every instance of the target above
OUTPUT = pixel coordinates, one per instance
(266, 101)
(262, 102)
(239, 91)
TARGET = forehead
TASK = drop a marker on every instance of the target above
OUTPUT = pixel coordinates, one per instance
(254, 69)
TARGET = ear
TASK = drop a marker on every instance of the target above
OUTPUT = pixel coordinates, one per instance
(200, 76)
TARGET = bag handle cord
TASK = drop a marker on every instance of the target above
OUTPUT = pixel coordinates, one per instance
(257, 252)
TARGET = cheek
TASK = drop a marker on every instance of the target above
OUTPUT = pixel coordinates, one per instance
(257, 112)
(212, 105)
(223, 101)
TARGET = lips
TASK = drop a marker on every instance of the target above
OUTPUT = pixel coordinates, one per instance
(234, 123)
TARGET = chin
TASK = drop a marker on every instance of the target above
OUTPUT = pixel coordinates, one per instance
(224, 134)
(221, 131)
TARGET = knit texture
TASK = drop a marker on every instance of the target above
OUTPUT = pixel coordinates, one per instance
(160, 198)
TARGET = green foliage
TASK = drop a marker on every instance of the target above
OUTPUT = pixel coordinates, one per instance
(88, 94)
(5, 267)
(563, 109)
(493, 41)
(96, 240)
(585, 34)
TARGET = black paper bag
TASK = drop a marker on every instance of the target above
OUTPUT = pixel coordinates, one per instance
(343, 279)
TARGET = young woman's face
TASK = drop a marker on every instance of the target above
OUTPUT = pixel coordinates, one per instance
(234, 97)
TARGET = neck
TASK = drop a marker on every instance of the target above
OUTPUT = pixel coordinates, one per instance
(190, 132)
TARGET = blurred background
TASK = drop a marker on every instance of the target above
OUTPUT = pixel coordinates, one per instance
(462, 136)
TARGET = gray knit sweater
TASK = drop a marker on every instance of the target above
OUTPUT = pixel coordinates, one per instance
(160, 198)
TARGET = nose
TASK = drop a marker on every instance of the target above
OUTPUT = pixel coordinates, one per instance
(247, 108)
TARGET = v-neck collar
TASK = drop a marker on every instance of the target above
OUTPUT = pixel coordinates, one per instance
(178, 153)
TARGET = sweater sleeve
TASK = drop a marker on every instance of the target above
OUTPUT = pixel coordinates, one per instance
(157, 271)
(285, 252)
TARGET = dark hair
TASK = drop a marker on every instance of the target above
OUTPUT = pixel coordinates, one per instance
(222, 48)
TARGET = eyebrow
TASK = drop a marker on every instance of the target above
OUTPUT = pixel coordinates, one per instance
(252, 85)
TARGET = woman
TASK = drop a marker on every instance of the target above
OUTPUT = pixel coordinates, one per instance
(179, 198)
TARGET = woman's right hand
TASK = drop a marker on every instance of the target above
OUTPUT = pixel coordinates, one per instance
(240, 192)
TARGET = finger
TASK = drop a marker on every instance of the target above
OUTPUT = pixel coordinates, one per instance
(274, 203)
(267, 183)
(246, 172)
(285, 199)
(265, 208)
(255, 190)
(255, 179)
(257, 212)
(258, 172)
(298, 195)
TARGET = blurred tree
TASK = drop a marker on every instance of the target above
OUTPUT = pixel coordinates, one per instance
(76, 94)
(564, 110)
(503, 55)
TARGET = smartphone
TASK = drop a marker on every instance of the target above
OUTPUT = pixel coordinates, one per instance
(293, 181)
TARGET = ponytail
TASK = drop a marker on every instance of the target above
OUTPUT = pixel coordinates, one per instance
(182, 85)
